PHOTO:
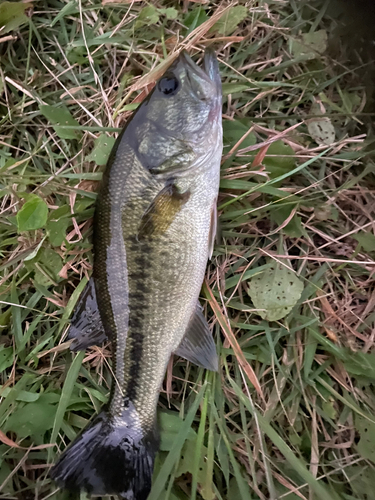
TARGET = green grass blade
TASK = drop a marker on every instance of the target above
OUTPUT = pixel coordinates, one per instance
(173, 455)
(319, 489)
(66, 394)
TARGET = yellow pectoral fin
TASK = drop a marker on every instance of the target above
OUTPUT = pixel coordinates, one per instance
(162, 211)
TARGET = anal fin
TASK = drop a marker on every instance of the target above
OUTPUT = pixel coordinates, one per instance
(86, 327)
(197, 344)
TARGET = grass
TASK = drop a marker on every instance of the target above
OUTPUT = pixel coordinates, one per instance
(290, 415)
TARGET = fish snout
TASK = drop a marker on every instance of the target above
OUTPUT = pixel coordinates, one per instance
(205, 83)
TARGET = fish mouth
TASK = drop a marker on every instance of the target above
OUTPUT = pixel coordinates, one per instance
(211, 67)
(208, 75)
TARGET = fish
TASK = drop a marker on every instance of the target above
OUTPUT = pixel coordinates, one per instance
(154, 230)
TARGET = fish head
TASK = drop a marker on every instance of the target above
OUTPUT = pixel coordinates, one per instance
(185, 112)
(191, 96)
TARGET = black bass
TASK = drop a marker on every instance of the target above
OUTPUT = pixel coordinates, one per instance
(154, 230)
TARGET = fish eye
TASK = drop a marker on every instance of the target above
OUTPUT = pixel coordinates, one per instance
(169, 85)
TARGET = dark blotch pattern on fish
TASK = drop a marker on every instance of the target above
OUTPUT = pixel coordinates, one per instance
(139, 298)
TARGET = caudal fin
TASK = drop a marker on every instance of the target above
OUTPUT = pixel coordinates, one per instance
(112, 456)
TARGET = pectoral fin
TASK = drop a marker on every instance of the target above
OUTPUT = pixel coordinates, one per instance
(86, 327)
(198, 345)
(162, 211)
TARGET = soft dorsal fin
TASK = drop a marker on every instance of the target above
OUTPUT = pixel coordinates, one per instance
(86, 327)
(198, 345)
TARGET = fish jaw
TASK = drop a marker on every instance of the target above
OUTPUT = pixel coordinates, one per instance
(205, 81)
(211, 68)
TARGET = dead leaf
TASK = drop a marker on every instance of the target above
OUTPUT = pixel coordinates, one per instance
(331, 335)
(321, 130)
(12, 444)
(258, 160)
(4, 439)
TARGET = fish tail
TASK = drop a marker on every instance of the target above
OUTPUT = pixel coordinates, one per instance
(112, 456)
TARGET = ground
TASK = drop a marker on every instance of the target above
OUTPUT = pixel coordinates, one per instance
(289, 292)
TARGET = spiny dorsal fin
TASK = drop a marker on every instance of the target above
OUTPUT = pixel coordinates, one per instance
(198, 345)
(86, 327)
(162, 211)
